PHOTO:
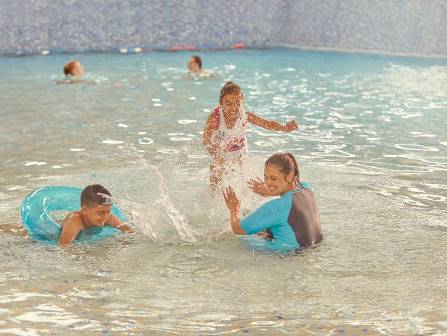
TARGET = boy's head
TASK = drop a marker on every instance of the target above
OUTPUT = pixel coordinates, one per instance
(74, 69)
(96, 204)
(195, 64)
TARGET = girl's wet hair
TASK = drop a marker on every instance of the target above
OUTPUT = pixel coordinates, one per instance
(229, 88)
(285, 162)
(95, 194)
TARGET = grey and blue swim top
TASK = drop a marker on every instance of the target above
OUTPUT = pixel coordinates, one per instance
(292, 220)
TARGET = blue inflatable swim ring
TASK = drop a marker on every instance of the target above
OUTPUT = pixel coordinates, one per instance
(38, 221)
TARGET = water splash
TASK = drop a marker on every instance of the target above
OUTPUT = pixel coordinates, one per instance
(151, 223)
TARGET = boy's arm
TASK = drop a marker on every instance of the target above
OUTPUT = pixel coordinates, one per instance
(210, 126)
(270, 124)
(117, 223)
(70, 230)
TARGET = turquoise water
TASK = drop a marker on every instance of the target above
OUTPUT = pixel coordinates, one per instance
(372, 140)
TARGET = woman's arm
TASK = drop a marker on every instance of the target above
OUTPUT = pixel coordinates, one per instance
(270, 124)
(234, 205)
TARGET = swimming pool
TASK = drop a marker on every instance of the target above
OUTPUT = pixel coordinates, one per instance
(372, 141)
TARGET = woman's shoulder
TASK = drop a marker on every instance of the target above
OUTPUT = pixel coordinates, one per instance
(307, 186)
(278, 201)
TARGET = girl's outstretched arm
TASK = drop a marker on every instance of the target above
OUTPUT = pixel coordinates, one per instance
(270, 124)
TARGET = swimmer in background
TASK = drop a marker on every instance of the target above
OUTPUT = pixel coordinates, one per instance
(195, 68)
(287, 223)
(96, 204)
(74, 72)
(224, 134)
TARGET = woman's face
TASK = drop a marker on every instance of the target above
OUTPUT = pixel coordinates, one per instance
(276, 181)
(231, 104)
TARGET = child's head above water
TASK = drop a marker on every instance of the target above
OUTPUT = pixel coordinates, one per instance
(281, 172)
(195, 64)
(95, 194)
(96, 204)
(74, 69)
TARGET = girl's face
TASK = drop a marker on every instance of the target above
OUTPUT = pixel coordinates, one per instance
(276, 181)
(231, 104)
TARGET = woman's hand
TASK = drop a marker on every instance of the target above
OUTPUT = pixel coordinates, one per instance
(259, 187)
(290, 126)
(231, 199)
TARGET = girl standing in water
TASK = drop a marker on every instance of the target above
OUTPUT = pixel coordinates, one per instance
(224, 135)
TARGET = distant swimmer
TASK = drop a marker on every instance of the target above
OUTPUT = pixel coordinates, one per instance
(74, 72)
(195, 69)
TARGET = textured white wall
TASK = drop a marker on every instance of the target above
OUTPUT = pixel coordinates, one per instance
(403, 26)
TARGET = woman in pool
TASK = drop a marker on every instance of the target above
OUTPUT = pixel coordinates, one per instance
(287, 223)
(224, 135)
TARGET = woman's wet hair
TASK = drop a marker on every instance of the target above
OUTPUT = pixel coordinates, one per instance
(285, 162)
(95, 194)
(198, 60)
(68, 68)
(229, 88)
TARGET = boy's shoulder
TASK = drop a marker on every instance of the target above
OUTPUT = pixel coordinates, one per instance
(74, 218)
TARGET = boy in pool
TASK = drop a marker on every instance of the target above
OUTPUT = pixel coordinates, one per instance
(224, 135)
(289, 222)
(73, 72)
(96, 204)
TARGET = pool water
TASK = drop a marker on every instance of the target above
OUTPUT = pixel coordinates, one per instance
(372, 141)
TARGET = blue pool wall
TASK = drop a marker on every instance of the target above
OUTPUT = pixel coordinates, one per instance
(389, 26)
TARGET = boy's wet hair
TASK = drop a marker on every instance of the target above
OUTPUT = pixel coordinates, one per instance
(198, 60)
(229, 88)
(286, 163)
(68, 68)
(95, 194)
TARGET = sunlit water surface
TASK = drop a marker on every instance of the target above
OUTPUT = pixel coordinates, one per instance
(372, 141)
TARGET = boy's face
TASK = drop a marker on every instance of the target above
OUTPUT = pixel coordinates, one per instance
(231, 104)
(96, 215)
